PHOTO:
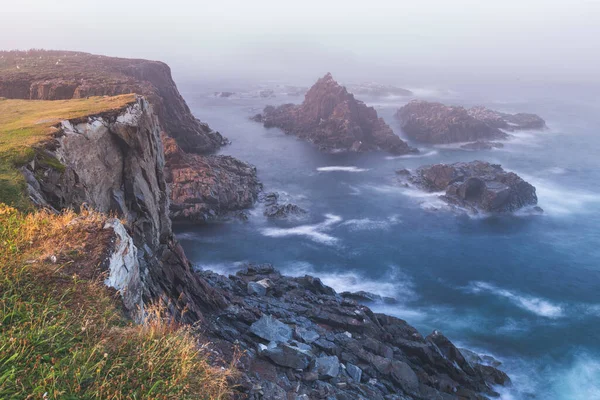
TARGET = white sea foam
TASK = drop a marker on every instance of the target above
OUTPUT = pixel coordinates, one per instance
(536, 305)
(368, 224)
(314, 232)
(418, 155)
(396, 284)
(341, 168)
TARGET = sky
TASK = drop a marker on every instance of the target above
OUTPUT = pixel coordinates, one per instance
(542, 40)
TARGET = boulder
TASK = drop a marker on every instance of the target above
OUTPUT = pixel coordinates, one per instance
(333, 119)
(288, 356)
(354, 372)
(326, 367)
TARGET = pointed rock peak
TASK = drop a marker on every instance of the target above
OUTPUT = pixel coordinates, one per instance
(328, 77)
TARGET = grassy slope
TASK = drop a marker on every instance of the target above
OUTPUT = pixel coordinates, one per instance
(62, 334)
(25, 124)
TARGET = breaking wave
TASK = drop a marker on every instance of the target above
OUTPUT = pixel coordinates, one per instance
(340, 168)
(314, 232)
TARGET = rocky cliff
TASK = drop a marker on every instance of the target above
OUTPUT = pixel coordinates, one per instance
(114, 163)
(57, 75)
(476, 186)
(333, 119)
(437, 123)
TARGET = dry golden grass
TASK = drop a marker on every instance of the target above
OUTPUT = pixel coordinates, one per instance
(25, 124)
(62, 333)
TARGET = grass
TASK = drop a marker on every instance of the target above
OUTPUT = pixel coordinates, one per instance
(62, 332)
(26, 124)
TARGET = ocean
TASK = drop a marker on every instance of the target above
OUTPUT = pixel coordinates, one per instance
(523, 288)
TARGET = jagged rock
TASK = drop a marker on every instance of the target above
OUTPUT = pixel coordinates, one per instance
(273, 209)
(306, 335)
(256, 288)
(326, 367)
(207, 187)
(333, 119)
(271, 329)
(432, 122)
(482, 145)
(476, 185)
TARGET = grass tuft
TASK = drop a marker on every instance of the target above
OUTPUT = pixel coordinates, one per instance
(62, 332)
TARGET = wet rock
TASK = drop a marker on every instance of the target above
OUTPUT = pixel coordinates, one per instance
(274, 209)
(326, 367)
(333, 119)
(271, 329)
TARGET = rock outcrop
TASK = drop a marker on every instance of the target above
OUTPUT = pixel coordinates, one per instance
(437, 123)
(302, 338)
(113, 162)
(476, 186)
(275, 209)
(206, 187)
(333, 119)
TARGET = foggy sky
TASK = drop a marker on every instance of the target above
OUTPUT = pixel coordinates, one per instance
(556, 40)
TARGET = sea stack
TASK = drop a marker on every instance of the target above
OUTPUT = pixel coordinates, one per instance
(333, 119)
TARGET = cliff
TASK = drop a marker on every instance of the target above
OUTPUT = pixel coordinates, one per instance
(333, 119)
(60, 75)
(437, 123)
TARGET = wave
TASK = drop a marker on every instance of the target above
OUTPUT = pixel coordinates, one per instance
(314, 232)
(535, 305)
(340, 168)
(418, 155)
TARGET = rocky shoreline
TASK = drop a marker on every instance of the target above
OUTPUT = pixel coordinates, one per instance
(302, 340)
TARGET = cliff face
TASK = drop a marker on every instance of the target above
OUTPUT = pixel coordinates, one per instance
(59, 75)
(114, 163)
(333, 119)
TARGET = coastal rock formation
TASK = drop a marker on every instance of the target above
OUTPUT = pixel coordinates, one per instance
(333, 119)
(437, 123)
(205, 187)
(60, 75)
(113, 162)
(274, 209)
(301, 337)
(477, 186)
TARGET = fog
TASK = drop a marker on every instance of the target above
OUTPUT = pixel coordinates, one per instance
(421, 41)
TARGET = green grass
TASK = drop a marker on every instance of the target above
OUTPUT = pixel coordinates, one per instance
(62, 334)
(26, 124)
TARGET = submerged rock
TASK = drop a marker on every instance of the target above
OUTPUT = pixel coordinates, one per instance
(437, 123)
(476, 185)
(333, 119)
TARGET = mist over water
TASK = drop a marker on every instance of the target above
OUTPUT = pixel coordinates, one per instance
(521, 287)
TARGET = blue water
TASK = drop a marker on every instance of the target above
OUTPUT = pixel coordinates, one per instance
(522, 288)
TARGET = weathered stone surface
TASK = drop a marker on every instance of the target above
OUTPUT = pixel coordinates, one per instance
(207, 187)
(271, 329)
(289, 356)
(432, 122)
(354, 372)
(257, 289)
(477, 186)
(333, 119)
(275, 209)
